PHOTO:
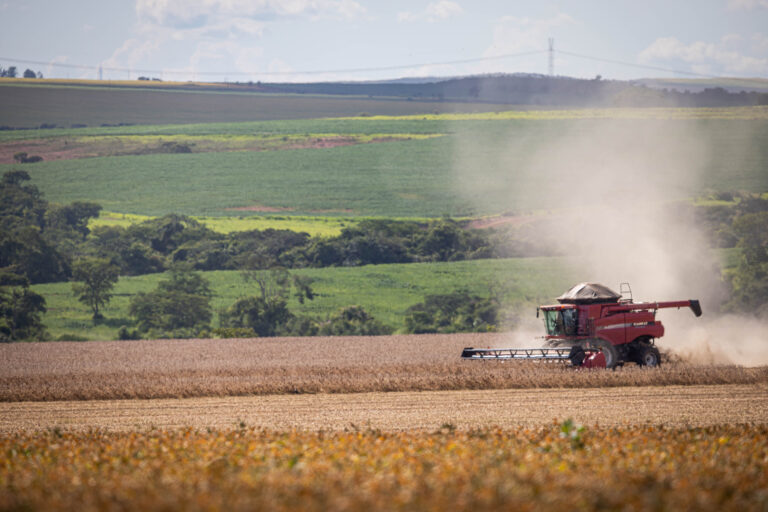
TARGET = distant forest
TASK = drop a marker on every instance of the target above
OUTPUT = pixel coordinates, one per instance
(533, 90)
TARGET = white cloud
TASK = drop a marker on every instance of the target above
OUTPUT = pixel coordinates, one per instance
(192, 13)
(732, 54)
(759, 44)
(747, 4)
(213, 35)
(512, 34)
(132, 53)
(433, 13)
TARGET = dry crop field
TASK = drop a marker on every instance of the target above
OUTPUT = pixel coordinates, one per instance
(559, 466)
(377, 423)
(152, 369)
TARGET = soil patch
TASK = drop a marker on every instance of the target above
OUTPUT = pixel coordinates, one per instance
(260, 208)
(68, 148)
(493, 222)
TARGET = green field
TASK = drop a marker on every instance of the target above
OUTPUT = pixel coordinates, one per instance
(385, 291)
(479, 167)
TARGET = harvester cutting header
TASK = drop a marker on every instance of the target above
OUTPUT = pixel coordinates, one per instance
(595, 327)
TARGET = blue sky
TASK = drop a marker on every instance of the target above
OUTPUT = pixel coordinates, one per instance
(312, 40)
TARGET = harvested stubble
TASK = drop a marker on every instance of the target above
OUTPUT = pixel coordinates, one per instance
(193, 368)
(680, 406)
(558, 467)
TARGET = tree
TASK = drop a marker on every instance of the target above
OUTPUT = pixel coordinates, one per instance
(179, 303)
(11, 72)
(353, 321)
(749, 280)
(276, 284)
(66, 227)
(28, 73)
(23, 248)
(72, 217)
(20, 310)
(458, 311)
(20, 199)
(266, 318)
(97, 277)
(268, 313)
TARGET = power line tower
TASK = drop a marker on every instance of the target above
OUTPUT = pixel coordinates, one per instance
(551, 56)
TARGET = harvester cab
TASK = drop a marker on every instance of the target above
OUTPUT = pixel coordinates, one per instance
(593, 326)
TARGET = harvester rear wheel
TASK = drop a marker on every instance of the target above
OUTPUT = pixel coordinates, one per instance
(609, 352)
(649, 356)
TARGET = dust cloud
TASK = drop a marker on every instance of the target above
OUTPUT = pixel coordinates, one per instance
(613, 193)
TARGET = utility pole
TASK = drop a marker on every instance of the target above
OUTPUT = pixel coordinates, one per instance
(551, 56)
(101, 74)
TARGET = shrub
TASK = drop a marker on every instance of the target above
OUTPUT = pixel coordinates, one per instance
(454, 312)
(353, 321)
(180, 303)
(234, 332)
(262, 316)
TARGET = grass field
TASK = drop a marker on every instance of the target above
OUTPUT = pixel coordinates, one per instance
(385, 291)
(479, 167)
(554, 467)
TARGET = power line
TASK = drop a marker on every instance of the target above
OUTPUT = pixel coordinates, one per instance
(642, 66)
(668, 70)
(551, 56)
(551, 51)
(276, 73)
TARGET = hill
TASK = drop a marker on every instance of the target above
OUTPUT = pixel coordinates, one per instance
(61, 103)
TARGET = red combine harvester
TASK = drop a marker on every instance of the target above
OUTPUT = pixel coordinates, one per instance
(595, 327)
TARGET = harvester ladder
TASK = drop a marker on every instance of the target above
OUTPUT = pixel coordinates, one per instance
(625, 290)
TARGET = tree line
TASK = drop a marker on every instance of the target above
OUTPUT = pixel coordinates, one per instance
(42, 241)
(12, 72)
(180, 308)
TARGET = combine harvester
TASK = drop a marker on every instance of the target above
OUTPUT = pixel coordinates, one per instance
(594, 327)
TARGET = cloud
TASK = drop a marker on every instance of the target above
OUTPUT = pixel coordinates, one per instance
(747, 4)
(732, 54)
(132, 53)
(196, 13)
(512, 34)
(433, 13)
(191, 36)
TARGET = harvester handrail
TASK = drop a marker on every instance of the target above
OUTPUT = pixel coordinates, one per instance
(693, 304)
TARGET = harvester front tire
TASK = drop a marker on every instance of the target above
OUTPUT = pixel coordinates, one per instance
(577, 355)
(649, 356)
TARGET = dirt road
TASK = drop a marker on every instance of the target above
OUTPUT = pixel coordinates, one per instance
(669, 405)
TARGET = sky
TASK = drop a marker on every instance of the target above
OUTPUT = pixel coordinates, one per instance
(323, 40)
